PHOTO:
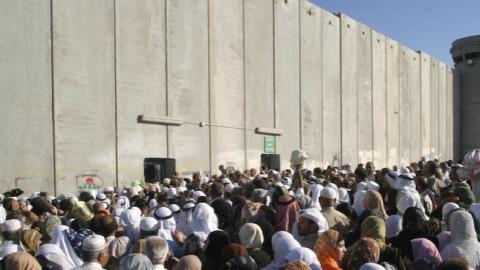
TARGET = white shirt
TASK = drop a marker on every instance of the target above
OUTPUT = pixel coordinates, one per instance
(90, 266)
(159, 267)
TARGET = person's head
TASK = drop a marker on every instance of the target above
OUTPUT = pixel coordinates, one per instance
(148, 227)
(216, 190)
(296, 265)
(421, 183)
(251, 236)
(370, 168)
(190, 262)
(430, 169)
(328, 197)
(94, 249)
(330, 245)
(97, 207)
(156, 249)
(360, 174)
(135, 261)
(306, 226)
(453, 175)
(11, 230)
(374, 227)
(455, 264)
(105, 226)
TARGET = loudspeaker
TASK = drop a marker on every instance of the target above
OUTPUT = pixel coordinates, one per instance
(157, 169)
(272, 161)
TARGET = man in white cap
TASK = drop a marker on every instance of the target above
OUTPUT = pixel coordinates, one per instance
(94, 253)
(156, 248)
(310, 224)
(335, 219)
(148, 227)
(11, 230)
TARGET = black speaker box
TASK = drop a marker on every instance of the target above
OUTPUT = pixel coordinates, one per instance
(157, 169)
(272, 161)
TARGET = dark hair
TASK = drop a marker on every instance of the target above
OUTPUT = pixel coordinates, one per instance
(85, 196)
(361, 173)
(104, 226)
(454, 264)
(216, 190)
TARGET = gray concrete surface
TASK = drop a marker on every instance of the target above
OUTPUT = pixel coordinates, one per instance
(339, 90)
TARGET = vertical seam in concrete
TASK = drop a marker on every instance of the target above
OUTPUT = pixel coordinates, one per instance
(115, 86)
(300, 71)
(209, 91)
(340, 21)
(438, 111)
(356, 92)
(166, 76)
(322, 153)
(385, 49)
(274, 70)
(399, 155)
(53, 101)
(422, 128)
(372, 156)
(244, 91)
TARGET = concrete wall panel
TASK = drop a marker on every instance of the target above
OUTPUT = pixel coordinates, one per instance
(349, 90)
(259, 64)
(364, 93)
(434, 131)
(405, 108)
(415, 106)
(332, 128)
(450, 114)
(442, 110)
(227, 83)
(311, 82)
(84, 93)
(187, 78)
(393, 106)
(457, 116)
(26, 137)
(140, 49)
(379, 100)
(287, 77)
(425, 108)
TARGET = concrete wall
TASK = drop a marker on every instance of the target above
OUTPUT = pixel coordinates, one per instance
(76, 74)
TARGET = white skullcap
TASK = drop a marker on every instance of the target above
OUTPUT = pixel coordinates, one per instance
(205, 179)
(166, 181)
(181, 189)
(174, 208)
(372, 266)
(109, 189)
(171, 193)
(328, 193)
(101, 197)
(332, 185)
(343, 196)
(188, 206)
(372, 185)
(197, 194)
(11, 225)
(229, 188)
(316, 216)
(447, 208)
(163, 213)
(94, 242)
(148, 224)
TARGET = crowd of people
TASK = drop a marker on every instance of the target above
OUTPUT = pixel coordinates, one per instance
(423, 216)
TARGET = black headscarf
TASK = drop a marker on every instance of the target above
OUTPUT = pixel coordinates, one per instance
(224, 211)
(414, 219)
(217, 240)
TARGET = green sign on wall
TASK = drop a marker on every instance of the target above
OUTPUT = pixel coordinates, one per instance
(269, 145)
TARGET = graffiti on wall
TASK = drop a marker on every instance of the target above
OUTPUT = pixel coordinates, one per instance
(89, 181)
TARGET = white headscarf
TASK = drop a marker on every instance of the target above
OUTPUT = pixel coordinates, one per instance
(54, 254)
(9, 247)
(410, 199)
(60, 239)
(305, 255)
(372, 266)
(185, 219)
(316, 189)
(464, 243)
(166, 222)
(122, 202)
(204, 221)
(130, 220)
(475, 208)
(358, 201)
(282, 243)
(393, 225)
(343, 196)
(446, 209)
(251, 236)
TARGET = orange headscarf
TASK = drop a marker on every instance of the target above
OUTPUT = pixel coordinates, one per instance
(324, 248)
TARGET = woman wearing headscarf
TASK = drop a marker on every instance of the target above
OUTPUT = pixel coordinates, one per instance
(330, 249)
(414, 226)
(189, 262)
(214, 245)
(21, 261)
(251, 237)
(232, 250)
(50, 254)
(306, 255)
(47, 227)
(60, 239)
(30, 240)
(136, 261)
(130, 221)
(365, 250)
(354, 234)
(204, 221)
(464, 243)
(358, 198)
(422, 248)
(374, 227)
(223, 210)
(374, 202)
(282, 243)
(393, 225)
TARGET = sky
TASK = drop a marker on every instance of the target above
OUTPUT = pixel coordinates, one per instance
(426, 25)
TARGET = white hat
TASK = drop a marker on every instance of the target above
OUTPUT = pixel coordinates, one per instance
(316, 216)
(171, 193)
(181, 189)
(148, 224)
(174, 208)
(11, 225)
(229, 188)
(372, 185)
(109, 189)
(94, 242)
(328, 193)
(166, 181)
(197, 194)
(188, 206)
(163, 213)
